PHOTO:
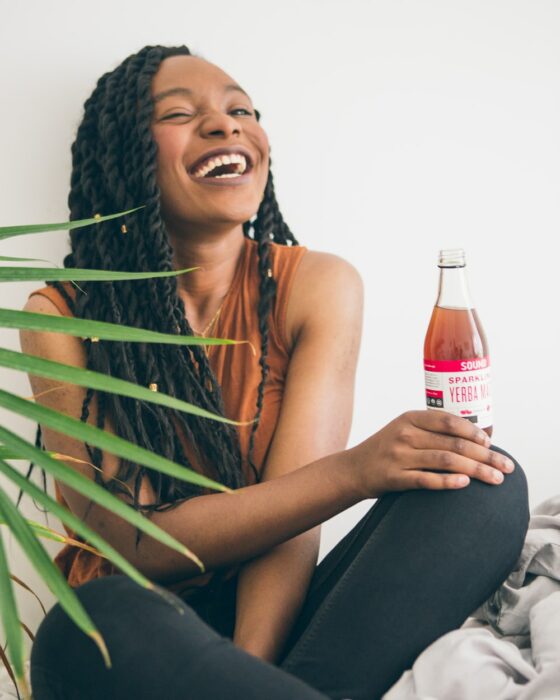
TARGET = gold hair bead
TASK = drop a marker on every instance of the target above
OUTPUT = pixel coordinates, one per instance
(123, 228)
(153, 386)
(269, 272)
(97, 216)
(94, 339)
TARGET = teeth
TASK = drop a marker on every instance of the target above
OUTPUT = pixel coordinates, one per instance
(236, 158)
(228, 175)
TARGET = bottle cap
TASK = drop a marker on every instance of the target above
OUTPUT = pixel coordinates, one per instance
(454, 257)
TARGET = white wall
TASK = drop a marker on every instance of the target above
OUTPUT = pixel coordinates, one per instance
(397, 128)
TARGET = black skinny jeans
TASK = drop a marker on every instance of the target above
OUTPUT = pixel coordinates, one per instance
(414, 568)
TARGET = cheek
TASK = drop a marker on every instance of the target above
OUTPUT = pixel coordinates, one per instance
(264, 148)
(264, 144)
(169, 148)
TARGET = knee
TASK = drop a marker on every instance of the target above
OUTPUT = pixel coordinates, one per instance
(125, 614)
(505, 509)
(133, 621)
(514, 495)
(58, 635)
(491, 520)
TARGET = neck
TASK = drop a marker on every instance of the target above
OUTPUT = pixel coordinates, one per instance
(203, 290)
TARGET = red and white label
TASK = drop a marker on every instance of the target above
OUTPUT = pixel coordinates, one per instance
(461, 387)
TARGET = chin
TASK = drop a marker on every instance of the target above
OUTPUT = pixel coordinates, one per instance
(239, 215)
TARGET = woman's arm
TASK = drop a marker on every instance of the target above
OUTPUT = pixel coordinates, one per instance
(222, 528)
(324, 317)
(227, 528)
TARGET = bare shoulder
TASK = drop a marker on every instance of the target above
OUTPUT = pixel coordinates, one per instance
(52, 346)
(326, 288)
(319, 267)
(41, 304)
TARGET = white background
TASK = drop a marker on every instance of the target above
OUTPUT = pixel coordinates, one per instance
(397, 128)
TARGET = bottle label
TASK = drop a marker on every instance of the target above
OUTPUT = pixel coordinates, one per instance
(461, 387)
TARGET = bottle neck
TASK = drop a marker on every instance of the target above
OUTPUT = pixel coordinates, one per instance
(453, 290)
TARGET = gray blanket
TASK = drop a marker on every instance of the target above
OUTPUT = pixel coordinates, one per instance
(509, 649)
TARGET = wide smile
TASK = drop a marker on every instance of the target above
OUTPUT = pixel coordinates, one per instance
(223, 169)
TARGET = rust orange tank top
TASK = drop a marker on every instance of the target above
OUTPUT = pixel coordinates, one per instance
(238, 372)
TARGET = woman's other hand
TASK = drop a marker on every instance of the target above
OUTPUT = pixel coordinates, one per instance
(426, 450)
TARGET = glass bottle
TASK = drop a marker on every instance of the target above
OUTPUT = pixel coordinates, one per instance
(456, 359)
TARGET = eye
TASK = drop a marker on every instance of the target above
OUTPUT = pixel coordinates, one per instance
(183, 114)
(175, 114)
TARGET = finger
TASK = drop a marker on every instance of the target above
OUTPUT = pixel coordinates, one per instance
(414, 479)
(451, 462)
(425, 440)
(448, 424)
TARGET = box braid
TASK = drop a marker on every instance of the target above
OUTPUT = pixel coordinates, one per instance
(269, 226)
(114, 169)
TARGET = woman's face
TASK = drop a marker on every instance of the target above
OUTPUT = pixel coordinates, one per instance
(198, 108)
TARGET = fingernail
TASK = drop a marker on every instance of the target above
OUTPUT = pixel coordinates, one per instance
(509, 466)
(498, 477)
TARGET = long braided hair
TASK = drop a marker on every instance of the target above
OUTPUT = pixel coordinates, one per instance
(114, 169)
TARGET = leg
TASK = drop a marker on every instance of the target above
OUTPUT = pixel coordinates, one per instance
(156, 652)
(413, 569)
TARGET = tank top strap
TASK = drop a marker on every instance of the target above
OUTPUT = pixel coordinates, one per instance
(57, 298)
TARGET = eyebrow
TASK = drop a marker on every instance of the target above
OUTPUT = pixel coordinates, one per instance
(187, 91)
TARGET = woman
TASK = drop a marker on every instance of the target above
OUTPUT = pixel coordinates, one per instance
(266, 619)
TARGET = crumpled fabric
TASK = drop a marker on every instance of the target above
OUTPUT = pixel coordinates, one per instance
(509, 649)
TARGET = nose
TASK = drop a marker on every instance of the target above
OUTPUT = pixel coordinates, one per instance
(217, 123)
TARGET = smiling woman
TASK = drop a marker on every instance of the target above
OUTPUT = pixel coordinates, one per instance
(175, 133)
(193, 97)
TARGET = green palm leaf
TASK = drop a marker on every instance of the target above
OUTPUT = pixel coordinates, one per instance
(99, 438)
(97, 380)
(49, 274)
(95, 492)
(10, 620)
(47, 533)
(15, 447)
(50, 573)
(10, 231)
(9, 258)
(7, 453)
(9, 318)
(77, 525)
(42, 530)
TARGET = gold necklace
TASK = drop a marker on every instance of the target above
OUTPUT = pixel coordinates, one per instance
(203, 333)
(213, 320)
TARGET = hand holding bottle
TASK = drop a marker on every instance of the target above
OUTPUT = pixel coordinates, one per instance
(426, 450)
